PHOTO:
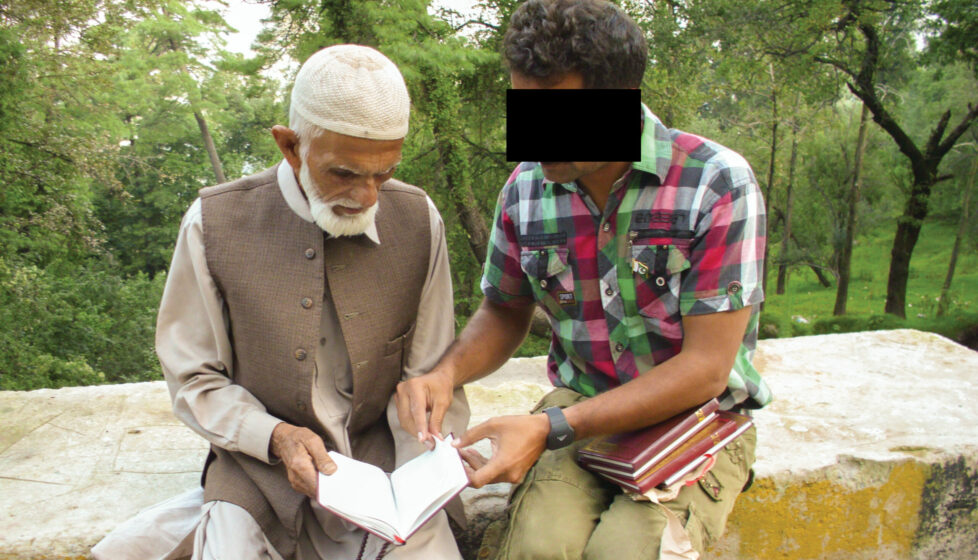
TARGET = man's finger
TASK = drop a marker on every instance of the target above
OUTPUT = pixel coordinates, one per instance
(438, 410)
(419, 410)
(472, 458)
(403, 402)
(320, 458)
(303, 474)
(473, 435)
(488, 473)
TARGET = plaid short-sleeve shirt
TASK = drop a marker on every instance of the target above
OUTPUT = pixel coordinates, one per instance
(682, 233)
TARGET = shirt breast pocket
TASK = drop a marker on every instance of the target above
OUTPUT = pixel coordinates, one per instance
(658, 272)
(552, 279)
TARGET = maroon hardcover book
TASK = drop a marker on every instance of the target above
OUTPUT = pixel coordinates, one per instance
(633, 453)
(708, 441)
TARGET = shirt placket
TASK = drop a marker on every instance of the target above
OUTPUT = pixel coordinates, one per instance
(610, 290)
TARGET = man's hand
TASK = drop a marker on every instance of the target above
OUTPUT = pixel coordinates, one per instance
(423, 401)
(304, 455)
(517, 442)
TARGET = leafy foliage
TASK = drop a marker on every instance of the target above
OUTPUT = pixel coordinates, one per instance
(104, 106)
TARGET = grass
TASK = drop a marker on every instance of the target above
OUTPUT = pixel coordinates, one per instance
(806, 298)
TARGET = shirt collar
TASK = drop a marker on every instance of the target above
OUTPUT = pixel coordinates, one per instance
(656, 146)
(292, 193)
(656, 150)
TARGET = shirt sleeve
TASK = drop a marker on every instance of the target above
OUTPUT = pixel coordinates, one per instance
(503, 279)
(727, 254)
(434, 332)
(434, 329)
(195, 352)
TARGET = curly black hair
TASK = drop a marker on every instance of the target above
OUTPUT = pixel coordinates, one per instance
(548, 39)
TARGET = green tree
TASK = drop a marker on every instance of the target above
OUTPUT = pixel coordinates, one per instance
(875, 40)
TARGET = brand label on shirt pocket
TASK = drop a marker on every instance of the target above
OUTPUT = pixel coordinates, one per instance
(551, 278)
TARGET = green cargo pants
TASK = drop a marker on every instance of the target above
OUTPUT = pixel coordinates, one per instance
(563, 511)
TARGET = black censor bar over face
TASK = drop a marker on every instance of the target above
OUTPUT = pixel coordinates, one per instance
(551, 125)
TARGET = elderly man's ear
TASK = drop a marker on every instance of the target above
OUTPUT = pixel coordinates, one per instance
(288, 144)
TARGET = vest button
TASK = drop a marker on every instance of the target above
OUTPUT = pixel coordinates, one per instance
(301, 406)
(306, 302)
(310, 253)
(300, 354)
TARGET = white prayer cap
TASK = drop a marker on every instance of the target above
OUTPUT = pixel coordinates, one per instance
(353, 90)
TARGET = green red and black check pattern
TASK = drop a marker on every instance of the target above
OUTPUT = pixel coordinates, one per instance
(682, 233)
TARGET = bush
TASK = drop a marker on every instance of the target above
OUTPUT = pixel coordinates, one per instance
(775, 325)
(856, 323)
(75, 325)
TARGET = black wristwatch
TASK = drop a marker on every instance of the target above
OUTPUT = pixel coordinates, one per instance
(561, 434)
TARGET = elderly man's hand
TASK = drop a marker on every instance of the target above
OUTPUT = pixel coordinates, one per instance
(304, 456)
(517, 442)
(423, 401)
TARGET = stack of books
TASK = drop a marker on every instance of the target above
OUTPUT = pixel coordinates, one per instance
(662, 454)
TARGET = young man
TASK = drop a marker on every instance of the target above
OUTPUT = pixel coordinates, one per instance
(650, 273)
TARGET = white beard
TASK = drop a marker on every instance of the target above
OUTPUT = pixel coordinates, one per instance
(332, 223)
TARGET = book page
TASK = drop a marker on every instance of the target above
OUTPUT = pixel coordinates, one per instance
(425, 483)
(360, 492)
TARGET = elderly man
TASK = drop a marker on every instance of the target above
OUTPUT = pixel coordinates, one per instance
(650, 272)
(297, 299)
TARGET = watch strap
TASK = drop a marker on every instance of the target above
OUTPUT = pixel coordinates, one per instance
(561, 434)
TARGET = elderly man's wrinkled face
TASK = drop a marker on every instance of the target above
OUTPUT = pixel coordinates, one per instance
(341, 176)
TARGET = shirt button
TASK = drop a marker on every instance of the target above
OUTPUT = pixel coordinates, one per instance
(609, 292)
(306, 302)
(300, 354)
(660, 281)
(543, 284)
(543, 252)
(310, 253)
(619, 347)
(734, 287)
(606, 227)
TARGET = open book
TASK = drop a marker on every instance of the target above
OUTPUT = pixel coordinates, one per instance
(393, 506)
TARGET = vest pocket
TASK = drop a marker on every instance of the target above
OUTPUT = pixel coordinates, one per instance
(551, 278)
(398, 343)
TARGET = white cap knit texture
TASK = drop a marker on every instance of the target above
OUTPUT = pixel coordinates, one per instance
(353, 90)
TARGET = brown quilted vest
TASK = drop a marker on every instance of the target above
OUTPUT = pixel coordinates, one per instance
(270, 266)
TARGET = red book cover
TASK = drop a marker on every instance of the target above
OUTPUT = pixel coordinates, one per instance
(632, 453)
(708, 441)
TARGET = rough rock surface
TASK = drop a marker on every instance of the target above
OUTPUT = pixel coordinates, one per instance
(869, 451)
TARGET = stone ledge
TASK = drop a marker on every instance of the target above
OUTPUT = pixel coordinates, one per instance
(869, 451)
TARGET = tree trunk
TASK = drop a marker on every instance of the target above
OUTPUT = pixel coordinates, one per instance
(845, 259)
(962, 228)
(822, 279)
(211, 150)
(907, 234)
(786, 237)
(770, 174)
(452, 160)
